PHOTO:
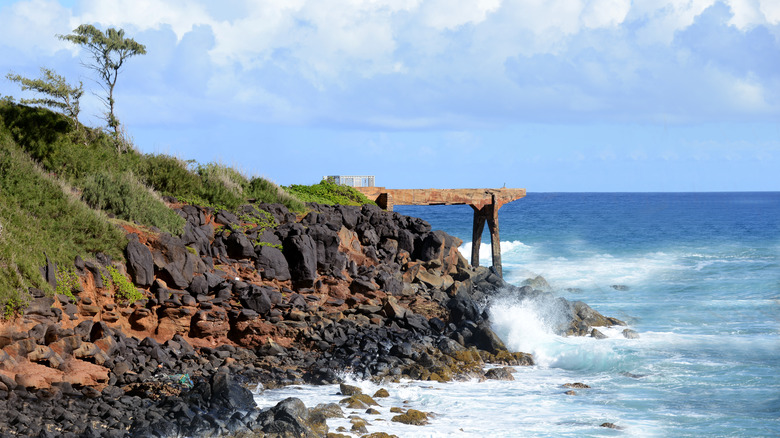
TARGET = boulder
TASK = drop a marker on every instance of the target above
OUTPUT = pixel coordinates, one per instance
(589, 316)
(504, 373)
(630, 334)
(140, 263)
(239, 246)
(301, 254)
(463, 308)
(272, 264)
(486, 339)
(539, 283)
(227, 396)
(258, 300)
(329, 259)
(289, 418)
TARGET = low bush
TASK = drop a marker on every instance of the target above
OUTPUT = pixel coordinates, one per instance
(263, 190)
(326, 192)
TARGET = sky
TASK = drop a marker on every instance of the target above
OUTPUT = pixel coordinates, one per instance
(547, 95)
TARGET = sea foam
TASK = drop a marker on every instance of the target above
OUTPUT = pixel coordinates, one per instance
(528, 325)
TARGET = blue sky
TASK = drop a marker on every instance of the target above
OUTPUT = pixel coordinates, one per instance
(559, 95)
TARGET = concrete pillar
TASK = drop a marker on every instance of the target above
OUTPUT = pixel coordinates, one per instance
(476, 235)
(489, 214)
(495, 240)
(385, 201)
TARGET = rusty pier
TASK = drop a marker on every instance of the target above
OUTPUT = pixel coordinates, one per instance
(485, 203)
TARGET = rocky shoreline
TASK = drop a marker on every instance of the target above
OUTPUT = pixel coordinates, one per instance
(260, 297)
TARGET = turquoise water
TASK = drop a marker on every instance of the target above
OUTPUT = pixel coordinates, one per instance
(700, 277)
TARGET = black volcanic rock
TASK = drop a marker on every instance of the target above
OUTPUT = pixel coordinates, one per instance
(301, 254)
(140, 263)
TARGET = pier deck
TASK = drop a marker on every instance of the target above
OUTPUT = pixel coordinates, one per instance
(485, 203)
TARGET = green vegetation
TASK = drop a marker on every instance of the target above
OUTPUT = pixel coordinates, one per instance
(60, 182)
(125, 196)
(125, 292)
(327, 192)
(39, 214)
(59, 95)
(67, 282)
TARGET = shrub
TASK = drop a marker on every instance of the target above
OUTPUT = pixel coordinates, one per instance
(125, 196)
(221, 185)
(326, 192)
(168, 175)
(263, 190)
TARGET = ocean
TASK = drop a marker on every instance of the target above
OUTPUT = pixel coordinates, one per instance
(697, 275)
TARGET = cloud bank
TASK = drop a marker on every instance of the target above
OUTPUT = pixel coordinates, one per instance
(438, 64)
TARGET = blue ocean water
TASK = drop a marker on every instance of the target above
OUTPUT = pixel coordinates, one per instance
(699, 279)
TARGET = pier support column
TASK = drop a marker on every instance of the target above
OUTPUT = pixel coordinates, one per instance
(476, 235)
(385, 201)
(489, 214)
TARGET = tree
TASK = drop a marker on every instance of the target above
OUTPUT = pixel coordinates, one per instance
(59, 95)
(109, 52)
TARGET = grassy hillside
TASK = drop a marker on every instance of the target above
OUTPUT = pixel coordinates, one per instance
(58, 184)
(38, 217)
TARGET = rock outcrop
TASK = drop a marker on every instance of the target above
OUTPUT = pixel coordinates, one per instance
(255, 298)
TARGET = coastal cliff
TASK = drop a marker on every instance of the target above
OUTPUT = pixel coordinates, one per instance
(259, 296)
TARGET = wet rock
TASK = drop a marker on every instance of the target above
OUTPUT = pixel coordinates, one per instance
(358, 401)
(630, 334)
(349, 389)
(595, 333)
(499, 374)
(486, 339)
(290, 418)
(589, 316)
(228, 396)
(610, 426)
(539, 283)
(413, 417)
(463, 308)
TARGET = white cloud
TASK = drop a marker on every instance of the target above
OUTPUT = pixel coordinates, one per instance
(180, 15)
(665, 17)
(413, 64)
(771, 11)
(605, 13)
(746, 13)
(450, 14)
(746, 94)
(31, 26)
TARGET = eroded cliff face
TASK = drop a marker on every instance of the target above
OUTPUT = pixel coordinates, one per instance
(269, 297)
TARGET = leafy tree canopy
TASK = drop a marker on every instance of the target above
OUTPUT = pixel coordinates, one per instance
(109, 50)
(59, 95)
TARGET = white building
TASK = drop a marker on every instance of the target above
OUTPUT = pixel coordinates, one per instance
(352, 180)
